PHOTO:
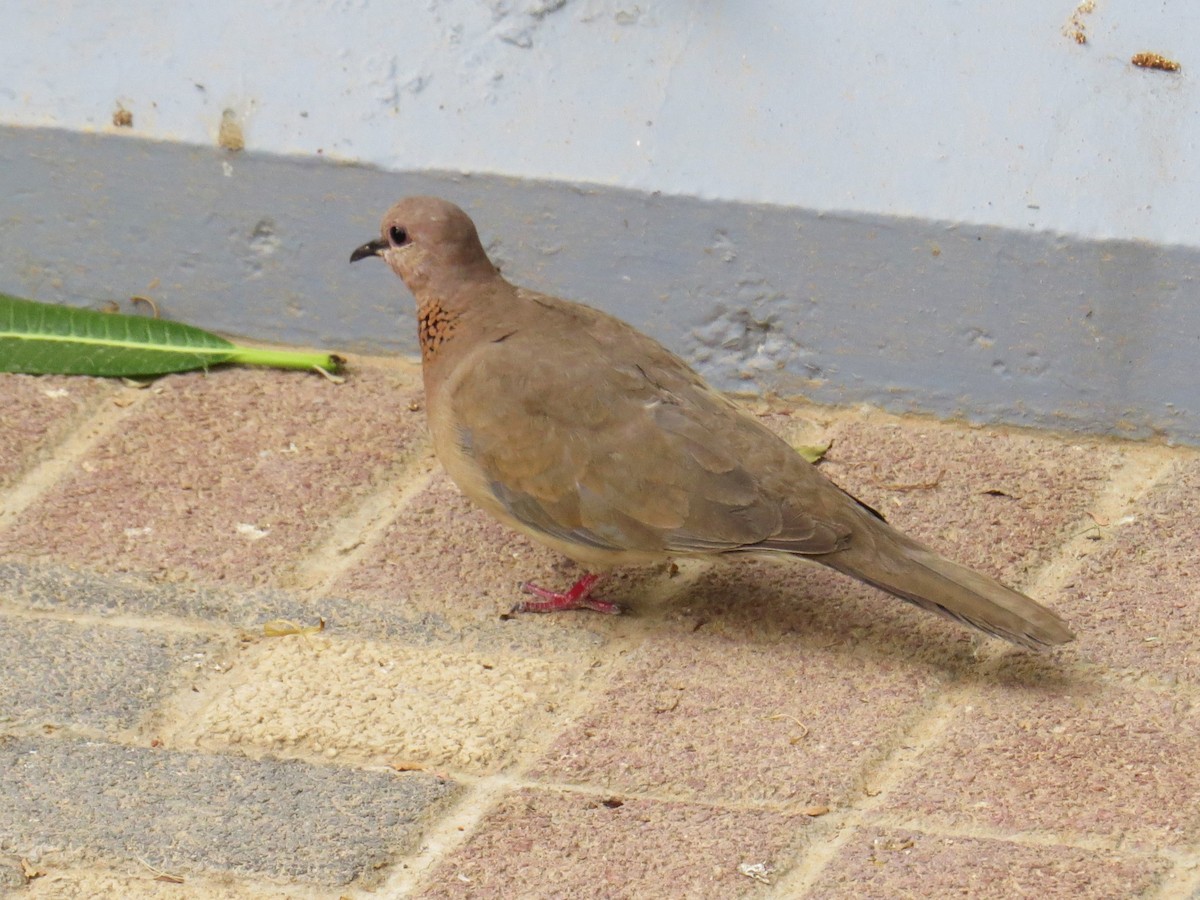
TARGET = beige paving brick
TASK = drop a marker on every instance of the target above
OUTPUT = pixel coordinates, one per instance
(542, 844)
(226, 476)
(1063, 758)
(1135, 599)
(385, 703)
(882, 863)
(722, 719)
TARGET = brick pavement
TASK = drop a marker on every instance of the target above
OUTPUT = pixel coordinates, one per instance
(748, 730)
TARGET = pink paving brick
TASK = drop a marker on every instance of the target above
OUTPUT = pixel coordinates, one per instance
(226, 476)
(930, 481)
(443, 554)
(1064, 757)
(1135, 599)
(805, 602)
(742, 720)
(878, 863)
(540, 844)
(37, 411)
(934, 483)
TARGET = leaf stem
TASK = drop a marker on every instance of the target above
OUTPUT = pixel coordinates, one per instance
(283, 359)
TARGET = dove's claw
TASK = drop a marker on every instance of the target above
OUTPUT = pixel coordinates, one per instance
(578, 597)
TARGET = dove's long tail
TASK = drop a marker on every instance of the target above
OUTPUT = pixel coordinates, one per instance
(901, 566)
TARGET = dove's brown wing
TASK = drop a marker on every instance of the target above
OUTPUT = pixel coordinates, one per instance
(588, 432)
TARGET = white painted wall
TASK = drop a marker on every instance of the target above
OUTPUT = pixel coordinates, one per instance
(959, 111)
(951, 207)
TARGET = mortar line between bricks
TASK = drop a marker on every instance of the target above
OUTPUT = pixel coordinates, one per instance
(1182, 880)
(67, 453)
(520, 782)
(923, 733)
(514, 776)
(456, 826)
(170, 624)
(198, 884)
(590, 790)
(452, 829)
(1140, 473)
(176, 711)
(356, 534)
(791, 886)
(481, 792)
(1123, 489)
(616, 651)
(1131, 845)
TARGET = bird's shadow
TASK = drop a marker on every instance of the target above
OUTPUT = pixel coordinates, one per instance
(824, 612)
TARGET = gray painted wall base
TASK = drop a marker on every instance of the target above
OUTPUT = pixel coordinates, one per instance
(942, 317)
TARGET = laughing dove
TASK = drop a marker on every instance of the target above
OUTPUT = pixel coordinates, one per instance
(577, 430)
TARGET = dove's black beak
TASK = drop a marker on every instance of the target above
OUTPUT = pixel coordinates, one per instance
(371, 248)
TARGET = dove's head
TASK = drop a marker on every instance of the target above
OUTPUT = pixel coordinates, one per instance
(429, 241)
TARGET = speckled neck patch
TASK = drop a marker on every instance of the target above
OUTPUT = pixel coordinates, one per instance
(434, 325)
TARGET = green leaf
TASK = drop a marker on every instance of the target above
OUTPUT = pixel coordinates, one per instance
(43, 339)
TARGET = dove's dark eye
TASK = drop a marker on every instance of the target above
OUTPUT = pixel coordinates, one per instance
(398, 236)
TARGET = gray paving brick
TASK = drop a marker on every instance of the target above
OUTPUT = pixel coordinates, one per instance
(96, 676)
(189, 812)
(55, 587)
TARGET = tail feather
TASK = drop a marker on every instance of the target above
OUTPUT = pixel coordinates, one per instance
(915, 573)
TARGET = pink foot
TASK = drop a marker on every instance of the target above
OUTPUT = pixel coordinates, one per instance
(578, 597)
